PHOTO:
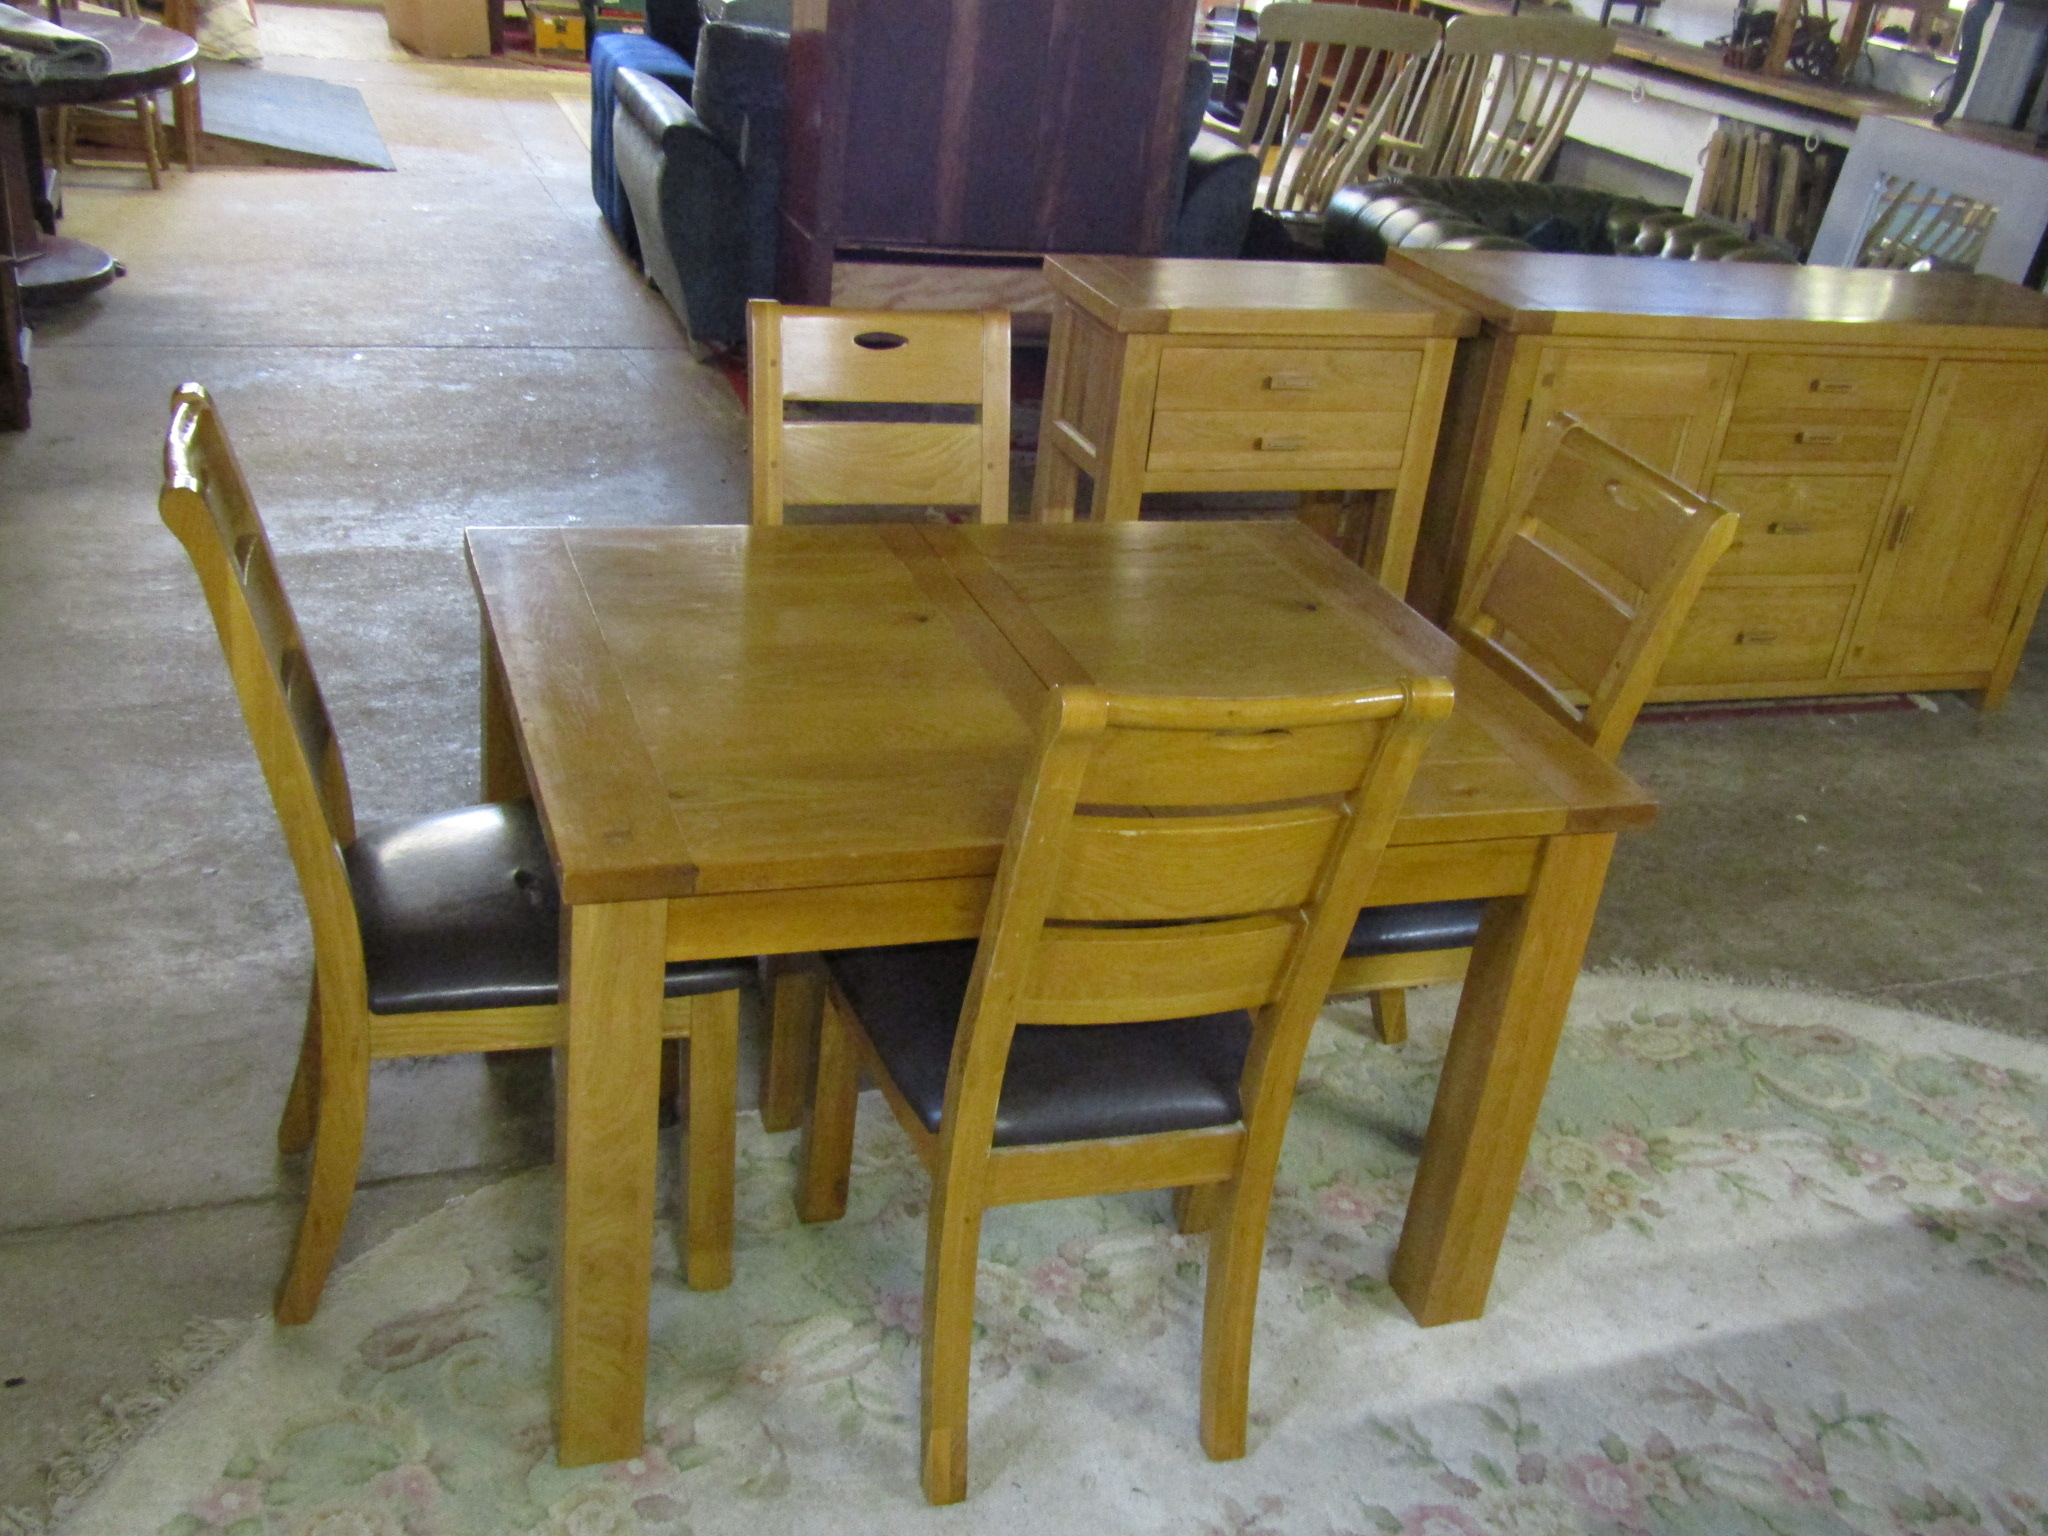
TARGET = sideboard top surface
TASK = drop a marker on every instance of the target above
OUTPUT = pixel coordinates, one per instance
(1253, 298)
(1564, 295)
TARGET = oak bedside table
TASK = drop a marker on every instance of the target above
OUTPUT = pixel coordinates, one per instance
(1184, 375)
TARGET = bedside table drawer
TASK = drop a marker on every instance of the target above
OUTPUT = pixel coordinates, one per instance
(1286, 379)
(1799, 525)
(1759, 635)
(1872, 437)
(1821, 382)
(1277, 440)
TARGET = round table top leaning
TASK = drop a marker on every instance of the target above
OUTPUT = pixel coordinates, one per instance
(146, 57)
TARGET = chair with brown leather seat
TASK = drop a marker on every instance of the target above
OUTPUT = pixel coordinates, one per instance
(883, 408)
(432, 936)
(1177, 884)
(1578, 604)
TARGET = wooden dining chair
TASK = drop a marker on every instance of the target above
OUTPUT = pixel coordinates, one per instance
(138, 110)
(1331, 81)
(1500, 94)
(1577, 605)
(1178, 881)
(430, 937)
(836, 397)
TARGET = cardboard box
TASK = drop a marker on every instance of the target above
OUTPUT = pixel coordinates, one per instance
(440, 29)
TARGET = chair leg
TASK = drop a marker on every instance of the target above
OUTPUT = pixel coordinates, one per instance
(796, 994)
(151, 126)
(825, 1162)
(331, 1187)
(1237, 1249)
(1390, 1014)
(952, 1256)
(302, 1103)
(706, 1227)
(185, 102)
(1195, 1207)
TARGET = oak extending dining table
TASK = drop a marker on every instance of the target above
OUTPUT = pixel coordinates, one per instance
(787, 739)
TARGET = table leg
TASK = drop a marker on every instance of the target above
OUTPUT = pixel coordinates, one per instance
(607, 1093)
(502, 769)
(1055, 480)
(796, 993)
(1517, 989)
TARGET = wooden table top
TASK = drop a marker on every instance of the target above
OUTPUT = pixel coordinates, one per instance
(716, 709)
(146, 57)
(1564, 295)
(1292, 298)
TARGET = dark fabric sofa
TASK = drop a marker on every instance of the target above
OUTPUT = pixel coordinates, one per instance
(668, 52)
(704, 177)
(1473, 213)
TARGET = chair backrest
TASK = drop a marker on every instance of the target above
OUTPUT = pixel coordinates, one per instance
(1589, 585)
(205, 501)
(850, 441)
(1172, 857)
(1911, 222)
(1501, 93)
(1331, 81)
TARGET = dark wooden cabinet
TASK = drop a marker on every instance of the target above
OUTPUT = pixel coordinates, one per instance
(979, 128)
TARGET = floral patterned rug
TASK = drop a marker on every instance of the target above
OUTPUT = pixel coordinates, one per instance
(1780, 1265)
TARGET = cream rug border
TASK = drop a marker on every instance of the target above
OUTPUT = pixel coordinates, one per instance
(139, 1487)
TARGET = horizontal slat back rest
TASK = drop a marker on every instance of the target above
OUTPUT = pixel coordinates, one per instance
(1301, 21)
(937, 363)
(1171, 868)
(1190, 888)
(1588, 586)
(1571, 37)
(206, 502)
(1565, 617)
(880, 463)
(878, 358)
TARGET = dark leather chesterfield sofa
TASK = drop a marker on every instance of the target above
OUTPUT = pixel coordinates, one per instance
(1477, 213)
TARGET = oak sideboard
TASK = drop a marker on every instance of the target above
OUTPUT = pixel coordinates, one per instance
(1883, 434)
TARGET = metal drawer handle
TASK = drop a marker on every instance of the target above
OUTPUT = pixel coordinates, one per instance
(1756, 637)
(1290, 381)
(1817, 435)
(1899, 528)
(1281, 444)
(1832, 386)
(1788, 528)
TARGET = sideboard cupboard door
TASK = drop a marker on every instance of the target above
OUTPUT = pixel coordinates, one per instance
(1663, 407)
(1964, 536)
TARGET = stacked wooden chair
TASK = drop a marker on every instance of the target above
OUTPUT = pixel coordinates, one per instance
(433, 936)
(1331, 83)
(1499, 96)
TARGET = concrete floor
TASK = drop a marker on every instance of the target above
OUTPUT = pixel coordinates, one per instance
(457, 343)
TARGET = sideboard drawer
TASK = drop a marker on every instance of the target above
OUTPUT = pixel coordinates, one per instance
(1799, 525)
(1800, 381)
(1860, 437)
(1277, 440)
(1286, 379)
(1759, 635)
